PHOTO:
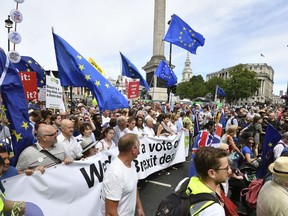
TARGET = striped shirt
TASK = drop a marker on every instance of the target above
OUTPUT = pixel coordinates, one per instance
(32, 157)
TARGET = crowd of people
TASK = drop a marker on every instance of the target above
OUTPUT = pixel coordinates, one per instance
(83, 131)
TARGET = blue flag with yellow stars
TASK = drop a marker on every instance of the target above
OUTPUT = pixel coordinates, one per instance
(129, 70)
(14, 106)
(74, 70)
(271, 139)
(27, 63)
(220, 91)
(164, 72)
(182, 35)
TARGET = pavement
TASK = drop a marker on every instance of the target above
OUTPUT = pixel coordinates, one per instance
(157, 186)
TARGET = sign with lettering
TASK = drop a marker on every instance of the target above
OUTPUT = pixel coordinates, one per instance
(133, 89)
(29, 81)
(53, 93)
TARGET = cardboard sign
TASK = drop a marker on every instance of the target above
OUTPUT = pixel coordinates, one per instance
(29, 82)
(133, 89)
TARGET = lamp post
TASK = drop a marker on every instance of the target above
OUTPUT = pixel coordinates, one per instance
(8, 25)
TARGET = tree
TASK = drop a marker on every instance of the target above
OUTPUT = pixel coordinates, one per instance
(213, 82)
(241, 84)
(194, 88)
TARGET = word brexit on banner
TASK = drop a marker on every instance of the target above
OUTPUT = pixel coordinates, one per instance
(63, 188)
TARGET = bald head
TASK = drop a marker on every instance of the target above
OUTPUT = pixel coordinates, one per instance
(67, 128)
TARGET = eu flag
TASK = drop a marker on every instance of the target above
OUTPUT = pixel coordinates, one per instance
(74, 70)
(272, 137)
(129, 70)
(164, 72)
(220, 92)
(27, 63)
(14, 106)
(182, 35)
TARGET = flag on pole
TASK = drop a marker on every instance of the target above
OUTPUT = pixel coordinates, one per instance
(27, 63)
(75, 70)
(164, 72)
(218, 132)
(182, 35)
(129, 70)
(14, 106)
(272, 137)
(220, 91)
(196, 125)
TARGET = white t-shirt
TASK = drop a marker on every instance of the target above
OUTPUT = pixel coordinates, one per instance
(120, 184)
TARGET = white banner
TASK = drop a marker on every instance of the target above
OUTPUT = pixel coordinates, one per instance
(75, 189)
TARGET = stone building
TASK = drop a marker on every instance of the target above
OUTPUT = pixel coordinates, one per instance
(265, 75)
(187, 71)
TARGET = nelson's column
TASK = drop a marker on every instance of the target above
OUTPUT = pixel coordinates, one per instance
(158, 89)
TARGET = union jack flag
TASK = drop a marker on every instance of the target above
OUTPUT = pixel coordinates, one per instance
(219, 129)
(203, 139)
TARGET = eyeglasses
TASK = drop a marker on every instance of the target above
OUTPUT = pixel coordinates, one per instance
(226, 168)
(53, 134)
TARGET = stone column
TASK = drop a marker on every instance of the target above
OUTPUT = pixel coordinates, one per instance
(158, 88)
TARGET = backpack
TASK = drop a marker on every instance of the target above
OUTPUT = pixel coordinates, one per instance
(270, 154)
(251, 193)
(178, 203)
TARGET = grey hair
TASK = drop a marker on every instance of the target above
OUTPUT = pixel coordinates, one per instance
(281, 180)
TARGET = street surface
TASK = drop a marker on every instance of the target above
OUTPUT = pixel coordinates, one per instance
(159, 186)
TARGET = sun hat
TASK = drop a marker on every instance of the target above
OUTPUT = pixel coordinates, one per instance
(280, 166)
(87, 143)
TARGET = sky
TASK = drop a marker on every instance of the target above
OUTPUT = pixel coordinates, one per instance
(235, 32)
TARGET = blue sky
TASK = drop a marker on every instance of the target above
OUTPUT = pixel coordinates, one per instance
(235, 32)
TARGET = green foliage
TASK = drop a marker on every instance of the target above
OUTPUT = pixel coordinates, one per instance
(241, 84)
(194, 88)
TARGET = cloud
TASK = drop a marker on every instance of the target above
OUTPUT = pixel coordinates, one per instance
(235, 32)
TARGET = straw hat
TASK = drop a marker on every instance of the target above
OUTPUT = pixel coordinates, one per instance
(280, 166)
(87, 143)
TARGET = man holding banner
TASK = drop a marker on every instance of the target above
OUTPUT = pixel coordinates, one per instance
(120, 180)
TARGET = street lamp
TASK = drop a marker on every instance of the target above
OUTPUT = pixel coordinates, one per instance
(8, 25)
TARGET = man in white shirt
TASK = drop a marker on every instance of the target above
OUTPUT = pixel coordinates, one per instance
(105, 117)
(281, 145)
(149, 128)
(120, 180)
(71, 146)
(120, 129)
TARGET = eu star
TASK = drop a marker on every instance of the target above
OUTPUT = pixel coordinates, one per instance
(79, 57)
(87, 77)
(107, 85)
(25, 125)
(97, 83)
(81, 67)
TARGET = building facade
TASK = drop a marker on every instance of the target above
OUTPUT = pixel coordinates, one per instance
(187, 71)
(265, 75)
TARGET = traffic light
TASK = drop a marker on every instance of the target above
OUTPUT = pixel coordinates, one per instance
(173, 89)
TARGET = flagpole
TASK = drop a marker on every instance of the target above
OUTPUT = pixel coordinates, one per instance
(170, 65)
(215, 97)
